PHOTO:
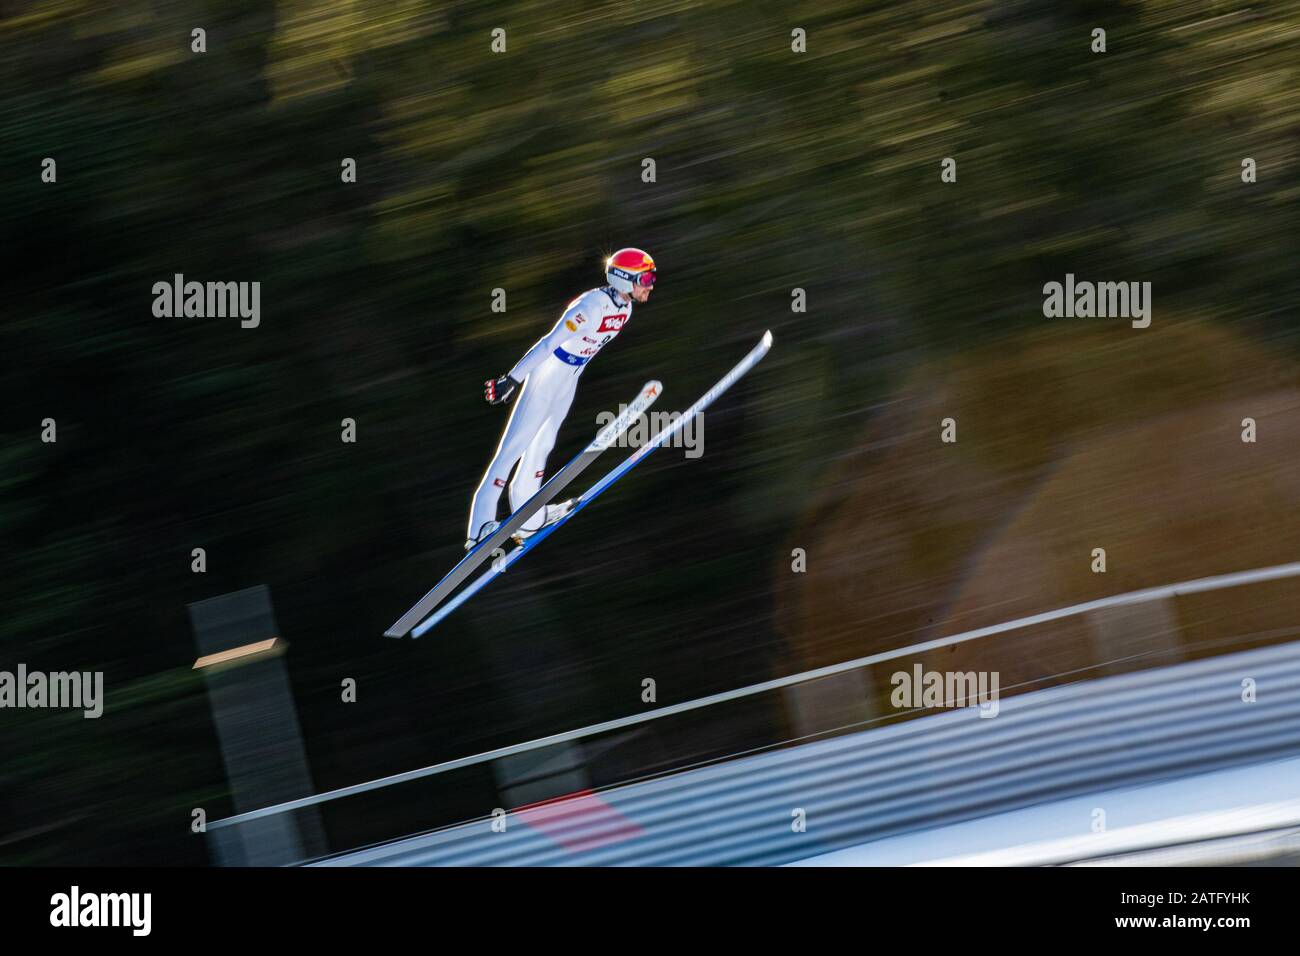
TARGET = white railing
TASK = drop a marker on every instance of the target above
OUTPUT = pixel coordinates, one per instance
(1218, 582)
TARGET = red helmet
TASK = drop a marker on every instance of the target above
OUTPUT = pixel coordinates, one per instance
(629, 268)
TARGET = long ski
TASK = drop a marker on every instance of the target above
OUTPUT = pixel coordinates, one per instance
(505, 561)
(557, 483)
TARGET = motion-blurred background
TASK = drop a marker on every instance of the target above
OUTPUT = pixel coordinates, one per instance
(476, 171)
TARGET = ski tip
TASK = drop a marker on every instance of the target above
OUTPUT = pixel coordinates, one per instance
(651, 389)
(391, 633)
(767, 338)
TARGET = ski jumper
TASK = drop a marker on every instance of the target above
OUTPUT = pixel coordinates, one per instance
(549, 373)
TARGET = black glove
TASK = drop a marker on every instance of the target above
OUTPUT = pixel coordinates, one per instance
(500, 391)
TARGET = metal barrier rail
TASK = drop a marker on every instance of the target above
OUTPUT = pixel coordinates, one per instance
(1056, 754)
(1198, 585)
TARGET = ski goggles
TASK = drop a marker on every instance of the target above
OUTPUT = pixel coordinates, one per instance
(644, 279)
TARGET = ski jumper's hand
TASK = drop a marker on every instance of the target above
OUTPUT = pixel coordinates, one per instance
(499, 392)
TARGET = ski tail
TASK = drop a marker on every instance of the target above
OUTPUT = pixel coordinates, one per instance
(606, 437)
(504, 562)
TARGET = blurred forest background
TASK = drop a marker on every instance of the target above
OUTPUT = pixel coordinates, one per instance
(521, 170)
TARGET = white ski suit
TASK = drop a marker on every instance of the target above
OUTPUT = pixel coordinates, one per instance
(549, 374)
